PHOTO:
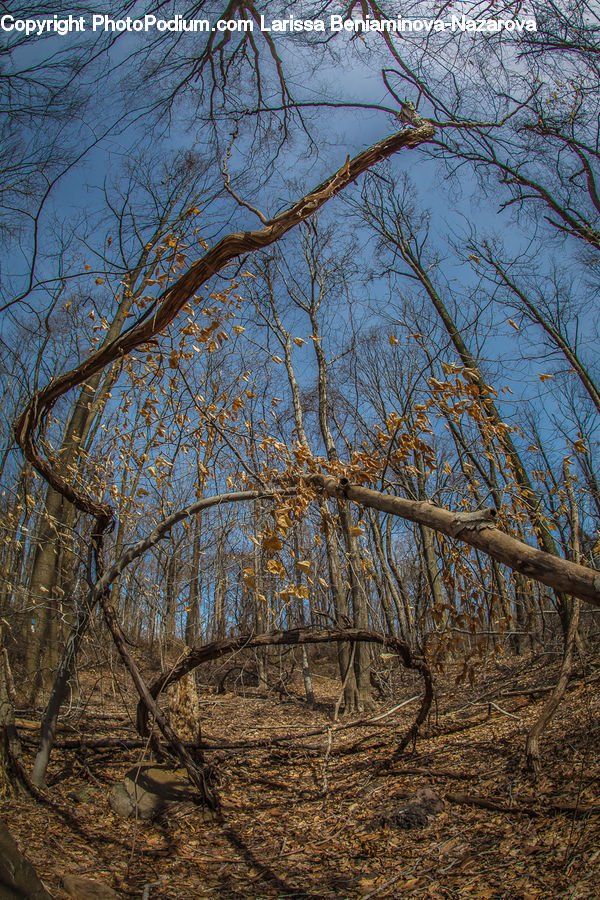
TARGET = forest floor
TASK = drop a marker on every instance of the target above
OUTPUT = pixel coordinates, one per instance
(311, 818)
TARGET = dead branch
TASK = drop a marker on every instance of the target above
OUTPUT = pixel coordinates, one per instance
(197, 655)
(558, 573)
(210, 743)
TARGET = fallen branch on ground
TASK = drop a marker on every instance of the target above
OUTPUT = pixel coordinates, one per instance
(573, 809)
(206, 652)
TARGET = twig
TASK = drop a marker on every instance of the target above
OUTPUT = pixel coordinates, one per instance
(503, 711)
(325, 760)
(434, 773)
(392, 710)
(227, 181)
(382, 887)
(151, 884)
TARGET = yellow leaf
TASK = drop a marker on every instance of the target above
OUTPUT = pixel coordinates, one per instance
(100, 280)
(355, 530)
(514, 324)
(304, 565)
(271, 543)
(239, 329)
(249, 579)
(275, 567)
(544, 377)
(299, 341)
(393, 340)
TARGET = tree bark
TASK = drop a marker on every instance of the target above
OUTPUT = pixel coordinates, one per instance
(477, 529)
(553, 701)
(12, 779)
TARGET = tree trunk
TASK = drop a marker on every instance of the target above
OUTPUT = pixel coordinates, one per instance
(61, 680)
(12, 779)
(493, 417)
(340, 605)
(58, 515)
(194, 767)
(360, 610)
(553, 701)
(308, 685)
(405, 613)
(192, 618)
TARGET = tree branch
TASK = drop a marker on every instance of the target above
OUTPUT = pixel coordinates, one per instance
(558, 573)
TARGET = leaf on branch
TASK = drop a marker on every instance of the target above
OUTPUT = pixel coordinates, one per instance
(275, 567)
(271, 543)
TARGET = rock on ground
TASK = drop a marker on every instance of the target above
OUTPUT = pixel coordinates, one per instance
(149, 790)
(18, 880)
(422, 805)
(86, 889)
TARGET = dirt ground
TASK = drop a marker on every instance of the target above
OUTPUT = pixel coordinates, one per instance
(312, 818)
